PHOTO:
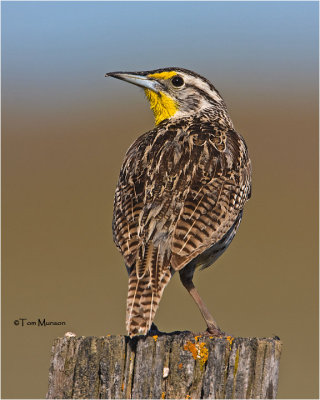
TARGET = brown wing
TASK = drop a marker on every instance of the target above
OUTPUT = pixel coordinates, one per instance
(179, 191)
(219, 187)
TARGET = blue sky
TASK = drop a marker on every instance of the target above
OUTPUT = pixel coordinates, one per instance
(56, 53)
(62, 38)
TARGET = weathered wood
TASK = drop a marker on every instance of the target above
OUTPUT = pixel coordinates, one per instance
(175, 366)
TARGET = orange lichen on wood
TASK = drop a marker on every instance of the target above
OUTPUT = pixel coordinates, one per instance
(180, 366)
(189, 346)
(163, 395)
(203, 354)
(199, 351)
(230, 339)
(155, 337)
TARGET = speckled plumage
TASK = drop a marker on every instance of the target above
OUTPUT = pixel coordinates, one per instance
(178, 203)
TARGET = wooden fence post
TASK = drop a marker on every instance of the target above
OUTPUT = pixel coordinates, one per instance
(178, 365)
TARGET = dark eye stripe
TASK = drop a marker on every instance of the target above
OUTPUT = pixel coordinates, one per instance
(203, 93)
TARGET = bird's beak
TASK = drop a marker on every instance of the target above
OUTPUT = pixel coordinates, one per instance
(136, 79)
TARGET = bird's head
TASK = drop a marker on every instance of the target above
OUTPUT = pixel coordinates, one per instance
(174, 92)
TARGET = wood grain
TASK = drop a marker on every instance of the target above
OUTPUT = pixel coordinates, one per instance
(177, 365)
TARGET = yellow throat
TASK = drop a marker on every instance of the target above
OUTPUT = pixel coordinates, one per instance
(163, 106)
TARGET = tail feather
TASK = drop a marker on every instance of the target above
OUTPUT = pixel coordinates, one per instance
(143, 301)
(145, 259)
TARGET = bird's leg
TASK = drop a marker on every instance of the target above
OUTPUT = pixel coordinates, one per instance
(212, 326)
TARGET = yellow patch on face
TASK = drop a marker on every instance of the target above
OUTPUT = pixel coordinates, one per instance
(163, 75)
(163, 106)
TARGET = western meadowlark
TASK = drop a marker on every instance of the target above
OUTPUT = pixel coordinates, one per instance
(181, 190)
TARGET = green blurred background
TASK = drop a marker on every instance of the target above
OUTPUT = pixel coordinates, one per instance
(65, 130)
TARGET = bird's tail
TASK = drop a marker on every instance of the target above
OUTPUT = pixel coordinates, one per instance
(143, 301)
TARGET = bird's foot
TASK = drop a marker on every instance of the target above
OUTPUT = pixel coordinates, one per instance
(154, 330)
(214, 331)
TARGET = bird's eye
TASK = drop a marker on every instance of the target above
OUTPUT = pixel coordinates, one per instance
(177, 81)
